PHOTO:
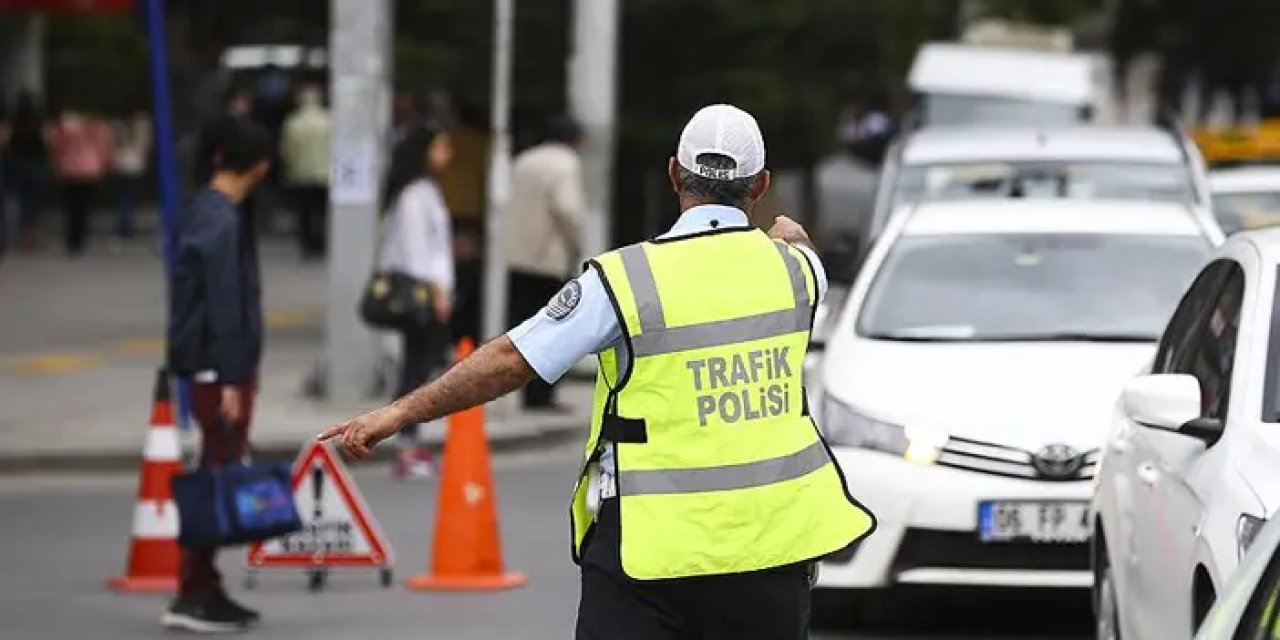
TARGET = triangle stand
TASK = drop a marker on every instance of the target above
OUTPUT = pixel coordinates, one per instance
(338, 529)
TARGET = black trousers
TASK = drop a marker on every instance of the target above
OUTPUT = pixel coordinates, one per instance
(310, 204)
(77, 201)
(764, 605)
(529, 293)
(424, 356)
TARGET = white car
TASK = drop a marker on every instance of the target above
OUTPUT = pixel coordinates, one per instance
(1068, 162)
(1190, 470)
(1246, 198)
(967, 384)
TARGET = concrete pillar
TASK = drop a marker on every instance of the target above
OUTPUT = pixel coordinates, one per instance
(593, 101)
(360, 67)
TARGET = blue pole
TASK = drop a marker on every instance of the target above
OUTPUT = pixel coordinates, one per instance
(166, 164)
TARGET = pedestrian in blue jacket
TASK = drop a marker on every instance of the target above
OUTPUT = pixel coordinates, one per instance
(215, 339)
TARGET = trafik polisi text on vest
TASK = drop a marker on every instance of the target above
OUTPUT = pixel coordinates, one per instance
(765, 373)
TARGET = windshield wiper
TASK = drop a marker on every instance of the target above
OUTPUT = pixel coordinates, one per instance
(1065, 336)
(1070, 336)
(916, 337)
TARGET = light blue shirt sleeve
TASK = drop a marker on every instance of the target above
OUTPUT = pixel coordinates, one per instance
(552, 346)
(819, 272)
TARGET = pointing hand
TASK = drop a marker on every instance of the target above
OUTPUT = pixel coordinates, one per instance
(359, 436)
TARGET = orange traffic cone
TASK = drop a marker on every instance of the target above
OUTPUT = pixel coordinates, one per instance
(153, 552)
(466, 555)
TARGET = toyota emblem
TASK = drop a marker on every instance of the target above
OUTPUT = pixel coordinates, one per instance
(1058, 462)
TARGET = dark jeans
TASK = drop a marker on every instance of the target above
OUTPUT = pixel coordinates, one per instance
(424, 357)
(29, 180)
(528, 294)
(199, 574)
(4, 213)
(77, 201)
(129, 190)
(770, 605)
(310, 204)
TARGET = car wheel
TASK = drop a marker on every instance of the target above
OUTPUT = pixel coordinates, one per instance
(1108, 605)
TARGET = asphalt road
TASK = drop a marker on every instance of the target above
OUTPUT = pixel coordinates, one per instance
(64, 535)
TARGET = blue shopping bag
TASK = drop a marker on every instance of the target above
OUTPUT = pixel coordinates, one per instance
(228, 505)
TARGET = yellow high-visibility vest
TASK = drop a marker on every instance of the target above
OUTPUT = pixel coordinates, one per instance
(720, 469)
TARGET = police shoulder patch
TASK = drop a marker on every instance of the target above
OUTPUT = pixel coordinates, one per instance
(565, 301)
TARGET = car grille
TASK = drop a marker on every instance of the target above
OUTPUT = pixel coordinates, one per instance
(1002, 460)
(963, 550)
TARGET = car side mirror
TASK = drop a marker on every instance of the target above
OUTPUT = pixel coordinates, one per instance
(1169, 401)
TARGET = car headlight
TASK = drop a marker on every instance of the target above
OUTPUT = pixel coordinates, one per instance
(845, 426)
(1247, 528)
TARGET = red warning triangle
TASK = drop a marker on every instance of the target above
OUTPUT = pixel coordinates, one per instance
(338, 530)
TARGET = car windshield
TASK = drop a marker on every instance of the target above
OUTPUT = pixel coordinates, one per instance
(1077, 179)
(1016, 287)
(952, 109)
(1244, 211)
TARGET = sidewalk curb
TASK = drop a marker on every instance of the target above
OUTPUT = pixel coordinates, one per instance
(543, 434)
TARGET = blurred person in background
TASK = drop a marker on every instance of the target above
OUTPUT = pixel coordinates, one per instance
(545, 230)
(465, 186)
(417, 242)
(846, 181)
(81, 147)
(215, 337)
(27, 161)
(132, 151)
(304, 147)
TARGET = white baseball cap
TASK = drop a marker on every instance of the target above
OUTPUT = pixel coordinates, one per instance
(725, 130)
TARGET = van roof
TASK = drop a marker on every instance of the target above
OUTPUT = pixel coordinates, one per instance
(1002, 72)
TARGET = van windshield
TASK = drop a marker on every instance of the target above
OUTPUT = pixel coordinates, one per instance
(955, 109)
(1072, 180)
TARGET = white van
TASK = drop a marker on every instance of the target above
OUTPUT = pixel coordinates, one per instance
(961, 84)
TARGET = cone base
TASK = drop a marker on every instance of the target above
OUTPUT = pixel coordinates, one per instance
(428, 582)
(132, 584)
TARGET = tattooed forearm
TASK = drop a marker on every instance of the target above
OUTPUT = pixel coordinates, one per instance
(495, 369)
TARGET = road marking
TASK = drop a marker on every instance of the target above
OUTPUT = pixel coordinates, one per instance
(55, 364)
(139, 347)
(291, 319)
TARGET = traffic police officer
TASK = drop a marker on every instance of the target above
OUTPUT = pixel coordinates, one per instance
(716, 492)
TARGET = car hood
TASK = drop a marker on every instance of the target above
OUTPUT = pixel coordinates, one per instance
(1024, 395)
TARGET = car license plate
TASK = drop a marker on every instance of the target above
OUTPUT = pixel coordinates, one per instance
(1047, 521)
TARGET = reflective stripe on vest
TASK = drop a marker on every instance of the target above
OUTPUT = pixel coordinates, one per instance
(726, 477)
(656, 338)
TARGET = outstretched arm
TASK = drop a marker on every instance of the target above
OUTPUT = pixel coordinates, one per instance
(494, 370)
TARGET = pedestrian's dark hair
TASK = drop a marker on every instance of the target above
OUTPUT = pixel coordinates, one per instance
(241, 144)
(731, 193)
(408, 161)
